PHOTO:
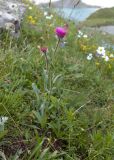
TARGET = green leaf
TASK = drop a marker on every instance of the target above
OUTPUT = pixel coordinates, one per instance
(35, 89)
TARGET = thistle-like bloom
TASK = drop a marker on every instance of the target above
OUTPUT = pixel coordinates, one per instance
(44, 49)
(61, 32)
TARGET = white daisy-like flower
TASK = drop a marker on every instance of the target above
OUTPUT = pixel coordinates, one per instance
(3, 120)
(49, 17)
(106, 58)
(30, 8)
(85, 36)
(89, 57)
(101, 51)
(80, 34)
(45, 13)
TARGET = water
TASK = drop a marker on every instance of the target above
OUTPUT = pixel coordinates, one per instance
(102, 3)
(78, 14)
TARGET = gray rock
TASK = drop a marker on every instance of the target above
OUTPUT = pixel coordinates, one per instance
(11, 10)
(107, 29)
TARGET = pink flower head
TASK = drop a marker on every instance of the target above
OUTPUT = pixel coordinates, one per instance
(44, 49)
(61, 32)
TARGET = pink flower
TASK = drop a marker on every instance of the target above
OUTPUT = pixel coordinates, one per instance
(61, 32)
(44, 49)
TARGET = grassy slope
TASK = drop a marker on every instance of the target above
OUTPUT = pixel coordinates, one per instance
(101, 17)
(52, 118)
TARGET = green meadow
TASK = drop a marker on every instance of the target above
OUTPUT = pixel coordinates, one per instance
(62, 107)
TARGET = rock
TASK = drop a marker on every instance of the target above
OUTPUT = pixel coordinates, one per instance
(107, 29)
(11, 11)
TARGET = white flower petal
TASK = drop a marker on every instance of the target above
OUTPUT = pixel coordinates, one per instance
(45, 13)
(3, 120)
(85, 36)
(106, 58)
(101, 51)
(30, 8)
(90, 56)
(48, 17)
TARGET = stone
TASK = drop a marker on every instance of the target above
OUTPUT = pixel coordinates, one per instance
(11, 11)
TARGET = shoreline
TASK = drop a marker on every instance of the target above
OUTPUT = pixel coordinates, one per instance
(68, 4)
(71, 3)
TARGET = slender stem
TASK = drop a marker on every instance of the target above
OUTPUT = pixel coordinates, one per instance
(46, 58)
(74, 8)
(57, 46)
(52, 63)
(77, 110)
(49, 3)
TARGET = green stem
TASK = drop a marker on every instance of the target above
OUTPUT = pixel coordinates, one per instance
(46, 59)
(49, 3)
(52, 63)
(75, 5)
(56, 46)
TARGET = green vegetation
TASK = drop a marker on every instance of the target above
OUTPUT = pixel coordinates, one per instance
(65, 112)
(101, 17)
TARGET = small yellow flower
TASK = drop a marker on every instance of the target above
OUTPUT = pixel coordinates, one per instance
(33, 21)
(84, 47)
(30, 17)
(97, 64)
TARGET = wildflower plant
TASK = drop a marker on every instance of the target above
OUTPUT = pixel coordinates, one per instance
(60, 101)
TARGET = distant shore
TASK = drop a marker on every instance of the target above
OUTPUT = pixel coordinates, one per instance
(69, 4)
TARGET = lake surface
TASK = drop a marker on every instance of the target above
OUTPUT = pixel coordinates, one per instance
(78, 14)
